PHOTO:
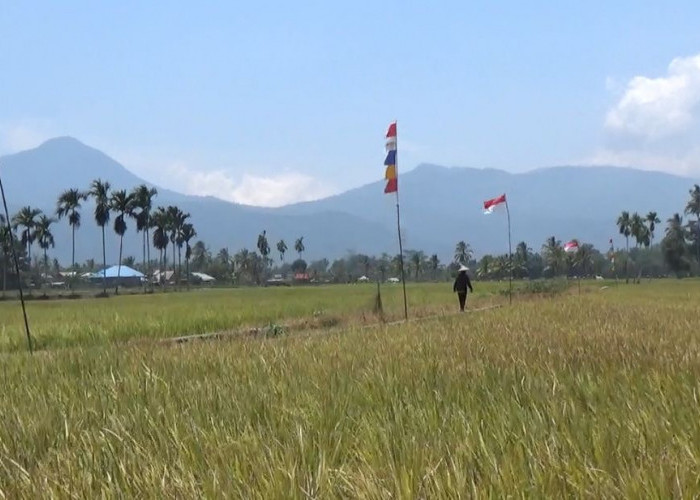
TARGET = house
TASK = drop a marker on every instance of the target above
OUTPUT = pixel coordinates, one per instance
(125, 275)
(202, 278)
(164, 277)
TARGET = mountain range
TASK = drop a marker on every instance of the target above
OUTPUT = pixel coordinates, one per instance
(439, 206)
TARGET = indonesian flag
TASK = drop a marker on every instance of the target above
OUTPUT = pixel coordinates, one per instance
(571, 246)
(494, 203)
(390, 173)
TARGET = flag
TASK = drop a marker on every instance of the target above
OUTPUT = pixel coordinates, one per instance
(571, 246)
(492, 204)
(611, 254)
(390, 174)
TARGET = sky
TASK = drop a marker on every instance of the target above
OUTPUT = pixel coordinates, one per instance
(268, 103)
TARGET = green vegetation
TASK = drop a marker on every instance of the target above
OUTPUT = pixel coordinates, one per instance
(570, 395)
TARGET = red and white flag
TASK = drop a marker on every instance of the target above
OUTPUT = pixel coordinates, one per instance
(571, 246)
(491, 205)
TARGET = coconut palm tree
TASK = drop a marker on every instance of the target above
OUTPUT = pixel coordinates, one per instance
(99, 190)
(652, 220)
(5, 250)
(281, 248)
(693, 208)
(69, 205)
(26, 218)
(674, 245)
(463, 253)
(299, 246)
(176, 219)
(624, 225)
(44, 237)
(121, 204)
(639, 230)
(187, 233)
(434, 264)
(554, 255)
(160, 222)
(142, 206)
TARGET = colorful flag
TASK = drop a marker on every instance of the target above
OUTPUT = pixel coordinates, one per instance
(611, 254)
(571, 246)
(390, 174)
(494, 203)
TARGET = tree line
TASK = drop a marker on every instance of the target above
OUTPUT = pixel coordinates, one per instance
(161, 227)
(677, 253)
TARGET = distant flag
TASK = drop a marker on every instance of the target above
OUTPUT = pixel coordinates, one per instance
(611, 254)
(390, 174)
(571, 246)
(489, 207)
(494, 203)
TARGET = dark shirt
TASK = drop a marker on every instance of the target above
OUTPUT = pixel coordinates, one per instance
(462, 283)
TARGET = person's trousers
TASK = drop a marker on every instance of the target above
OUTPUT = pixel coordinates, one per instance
(462, 300)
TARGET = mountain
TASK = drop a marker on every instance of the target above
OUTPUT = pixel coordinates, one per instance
(439, 206)
(36, 177)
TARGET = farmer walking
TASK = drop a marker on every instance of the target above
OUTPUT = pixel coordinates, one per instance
(462, 282)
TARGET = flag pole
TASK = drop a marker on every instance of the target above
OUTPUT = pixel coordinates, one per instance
(398, 228)
(19, 278)
(510, 259)
(403, 278)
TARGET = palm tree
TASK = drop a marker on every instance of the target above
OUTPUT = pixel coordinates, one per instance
(44, 237)
(652, 220)
(68, 205)
(121, 204)
(26, 218)
(187, 234)
(554, 255)
(417, 259)
(142, 205)
(484, 268)
(674, 246)
(281, 248)
(160, 223)
(434, 264)
(463, 253)
(638, 230)
(299, 246)
(693, 208)
(5, 249)
(176, 219)
(624, 225)
(100, 191)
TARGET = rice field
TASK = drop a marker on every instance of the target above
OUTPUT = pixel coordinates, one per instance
(592, 395)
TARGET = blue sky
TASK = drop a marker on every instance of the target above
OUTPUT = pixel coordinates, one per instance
(272, 102)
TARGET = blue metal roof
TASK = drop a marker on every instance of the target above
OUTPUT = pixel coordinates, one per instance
(126, 272)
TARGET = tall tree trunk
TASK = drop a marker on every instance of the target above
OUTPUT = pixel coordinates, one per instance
(174, 268)
(165, 265)
(148, 253)
(187, 270)
(104, 263)
(73, 251)
(179, 264)
(627, 259)
(119, 264)
(697, 241)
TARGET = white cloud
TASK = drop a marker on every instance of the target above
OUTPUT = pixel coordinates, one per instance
(265, 191)
(655, 108)
(685, 163)
(28, 134)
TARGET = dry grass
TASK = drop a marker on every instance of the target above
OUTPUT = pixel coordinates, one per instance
(593, 396)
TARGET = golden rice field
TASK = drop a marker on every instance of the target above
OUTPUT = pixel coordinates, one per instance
(592, 395)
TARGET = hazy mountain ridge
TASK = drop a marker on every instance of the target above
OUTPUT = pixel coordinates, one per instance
(439, 206)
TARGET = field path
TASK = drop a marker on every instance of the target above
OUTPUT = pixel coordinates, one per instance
(254, 331)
